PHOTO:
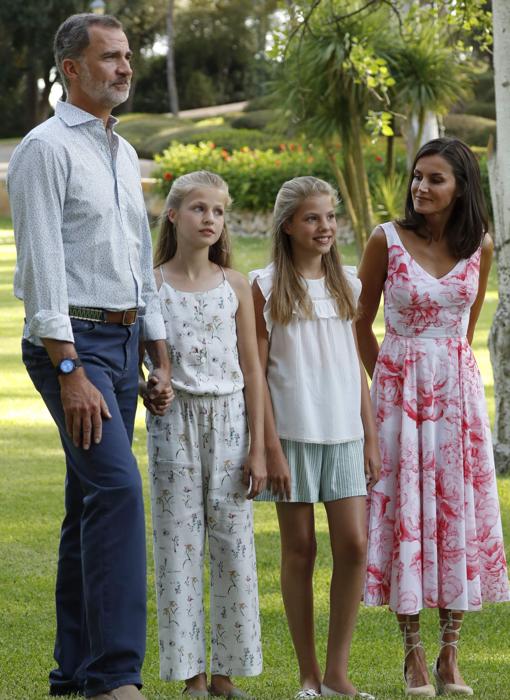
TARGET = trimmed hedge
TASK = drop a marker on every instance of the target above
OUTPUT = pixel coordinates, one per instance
(254, 176)
(474, 130)
(259, 119)
(231, 139)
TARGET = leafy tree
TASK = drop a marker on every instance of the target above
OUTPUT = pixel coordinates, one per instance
(499, 169)
(331, 77)
(27, 34)
(351, 66)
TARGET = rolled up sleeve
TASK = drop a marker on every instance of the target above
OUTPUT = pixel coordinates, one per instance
(152, 326)
(36, 184)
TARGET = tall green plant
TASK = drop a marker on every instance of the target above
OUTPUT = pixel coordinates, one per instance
(431, 74)
(331, 76)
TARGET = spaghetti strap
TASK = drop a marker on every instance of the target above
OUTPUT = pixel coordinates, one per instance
(222, 272)
(162, 275)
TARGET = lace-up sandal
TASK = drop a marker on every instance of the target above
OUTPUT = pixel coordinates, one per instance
(449, 626)
(410, 645)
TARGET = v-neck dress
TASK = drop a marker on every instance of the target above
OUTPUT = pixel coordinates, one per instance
(435, 536)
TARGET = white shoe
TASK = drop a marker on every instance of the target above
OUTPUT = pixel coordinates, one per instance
(305, 693)
(330, 693)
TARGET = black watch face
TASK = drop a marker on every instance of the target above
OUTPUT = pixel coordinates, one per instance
(67, 366)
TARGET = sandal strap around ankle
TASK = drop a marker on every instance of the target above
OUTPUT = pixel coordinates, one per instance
(448, 628)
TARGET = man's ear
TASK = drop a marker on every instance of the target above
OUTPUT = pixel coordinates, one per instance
(70, 68)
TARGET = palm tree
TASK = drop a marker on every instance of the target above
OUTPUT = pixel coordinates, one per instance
(330, 75)
(431, 75)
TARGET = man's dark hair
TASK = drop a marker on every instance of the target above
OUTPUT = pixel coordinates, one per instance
(72, 37)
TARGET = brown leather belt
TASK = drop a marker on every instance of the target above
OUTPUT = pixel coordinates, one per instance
(123, 318)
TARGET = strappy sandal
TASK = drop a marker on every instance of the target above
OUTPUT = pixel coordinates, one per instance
(423, 691)
(306, 693)
(447, 627)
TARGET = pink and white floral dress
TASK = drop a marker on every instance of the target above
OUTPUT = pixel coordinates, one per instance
(435, 537)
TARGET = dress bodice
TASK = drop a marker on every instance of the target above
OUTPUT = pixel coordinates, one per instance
(418, 304)
(201, 335)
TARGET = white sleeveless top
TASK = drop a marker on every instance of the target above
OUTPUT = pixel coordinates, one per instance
(202, 339)
(313, 370)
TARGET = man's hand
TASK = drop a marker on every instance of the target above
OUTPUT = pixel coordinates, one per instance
(84, 408)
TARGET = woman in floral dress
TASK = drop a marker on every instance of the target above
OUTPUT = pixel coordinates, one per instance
(435, 537)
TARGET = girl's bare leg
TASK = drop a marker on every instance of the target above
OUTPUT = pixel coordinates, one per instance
(347, 531)
(299, 547)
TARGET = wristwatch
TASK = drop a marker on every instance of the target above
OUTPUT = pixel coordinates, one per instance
(68, 365)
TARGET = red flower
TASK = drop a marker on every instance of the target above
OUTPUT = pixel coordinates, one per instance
(291, 146)
(282, 147)
(278, 163)
(168, 176)
(224, 153)
(378, 159)
(213, 146)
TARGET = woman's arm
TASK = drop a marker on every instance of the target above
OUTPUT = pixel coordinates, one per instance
(278, 472)
(485, 267)
(371, 452)
(255, 466)
(372, 273)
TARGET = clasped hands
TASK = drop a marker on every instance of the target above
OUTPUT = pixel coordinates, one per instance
(157, 393)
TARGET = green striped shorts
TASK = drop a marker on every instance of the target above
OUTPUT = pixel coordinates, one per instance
(323, 472)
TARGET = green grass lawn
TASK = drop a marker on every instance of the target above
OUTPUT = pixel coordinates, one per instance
(31, 509)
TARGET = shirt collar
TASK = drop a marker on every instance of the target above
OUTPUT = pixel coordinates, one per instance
(74, 116)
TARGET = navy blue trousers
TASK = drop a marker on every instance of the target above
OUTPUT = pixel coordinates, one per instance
(101, 577)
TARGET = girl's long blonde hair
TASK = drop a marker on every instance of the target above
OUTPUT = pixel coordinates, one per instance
(290, 293)
(166, 244)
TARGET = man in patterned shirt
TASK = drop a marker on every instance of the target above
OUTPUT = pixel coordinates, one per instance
(84, 272)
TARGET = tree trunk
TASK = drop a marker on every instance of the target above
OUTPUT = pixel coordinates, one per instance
(419, 129)
(173, 98)
(499, 173)
(389, 166)
(31, 97)
(346, 197)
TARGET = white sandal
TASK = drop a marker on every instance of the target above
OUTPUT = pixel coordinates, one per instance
(447, 627)
(422, 691)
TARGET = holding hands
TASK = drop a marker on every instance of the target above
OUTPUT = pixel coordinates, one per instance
(156, 392)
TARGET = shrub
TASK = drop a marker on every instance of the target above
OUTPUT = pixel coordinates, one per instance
(254, 176)
(259, 119)
(231, 139)
(475, 131)
(260, 103)
(481, 109)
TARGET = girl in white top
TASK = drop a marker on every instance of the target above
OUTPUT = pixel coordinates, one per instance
(319, 429)
(204, 465)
